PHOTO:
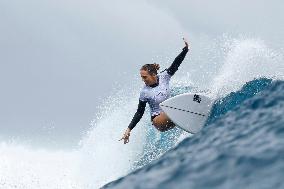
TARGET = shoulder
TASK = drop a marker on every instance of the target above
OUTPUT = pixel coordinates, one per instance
(143, 89)
(143, 93)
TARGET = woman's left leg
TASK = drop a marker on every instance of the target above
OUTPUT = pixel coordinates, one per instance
(162, 122)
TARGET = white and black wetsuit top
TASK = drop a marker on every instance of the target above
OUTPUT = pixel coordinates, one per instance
(154, 95)
(157, 93)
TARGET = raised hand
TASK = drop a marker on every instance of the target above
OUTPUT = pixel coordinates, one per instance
(185, 42)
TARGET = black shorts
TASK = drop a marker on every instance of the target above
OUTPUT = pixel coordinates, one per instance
(152, 117)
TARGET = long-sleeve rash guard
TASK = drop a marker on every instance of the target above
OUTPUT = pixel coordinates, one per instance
(154, 96)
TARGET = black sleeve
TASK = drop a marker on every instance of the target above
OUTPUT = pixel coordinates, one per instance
(138, 115)
(178, 60)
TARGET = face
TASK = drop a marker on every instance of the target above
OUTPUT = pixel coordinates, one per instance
(148, 78)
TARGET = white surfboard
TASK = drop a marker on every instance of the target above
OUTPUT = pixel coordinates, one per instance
(188, 111)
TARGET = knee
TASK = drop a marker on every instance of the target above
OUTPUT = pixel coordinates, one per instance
(163, 128)
(158, 126)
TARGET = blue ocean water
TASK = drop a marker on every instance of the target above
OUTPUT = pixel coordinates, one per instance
(241, 146)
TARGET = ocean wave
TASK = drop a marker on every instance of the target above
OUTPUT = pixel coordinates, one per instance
(240, 147)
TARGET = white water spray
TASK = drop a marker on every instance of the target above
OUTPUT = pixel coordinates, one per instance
(101, 158)
(245, 60)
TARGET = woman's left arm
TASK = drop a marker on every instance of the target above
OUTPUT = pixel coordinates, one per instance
(178, 60)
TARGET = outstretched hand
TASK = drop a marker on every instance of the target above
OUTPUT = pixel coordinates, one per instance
(185, 42)
(126, 136)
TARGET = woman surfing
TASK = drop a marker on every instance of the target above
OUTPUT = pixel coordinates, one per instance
(155, 91)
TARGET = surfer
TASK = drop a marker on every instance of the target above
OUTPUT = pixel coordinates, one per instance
(155, 91)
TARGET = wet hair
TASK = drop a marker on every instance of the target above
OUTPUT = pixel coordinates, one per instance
(151, 68)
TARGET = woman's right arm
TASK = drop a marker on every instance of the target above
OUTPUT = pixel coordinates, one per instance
(136, 118)
(138, 115)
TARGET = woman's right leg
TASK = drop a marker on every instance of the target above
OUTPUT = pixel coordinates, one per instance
(162, 122)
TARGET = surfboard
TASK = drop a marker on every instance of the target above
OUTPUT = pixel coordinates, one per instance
(189, 111)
